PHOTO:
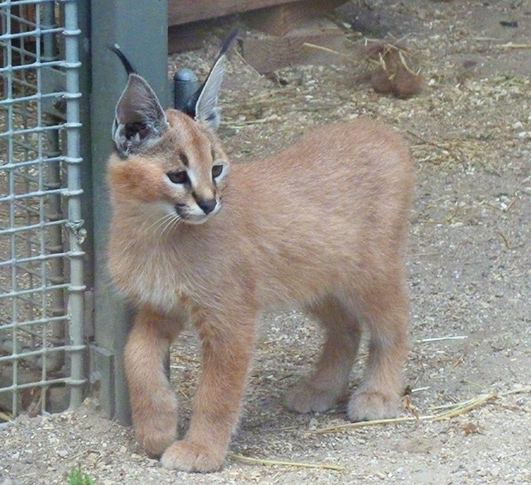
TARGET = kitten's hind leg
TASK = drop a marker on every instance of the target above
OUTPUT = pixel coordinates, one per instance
(385, 310)
(154, 405)
(329, 380)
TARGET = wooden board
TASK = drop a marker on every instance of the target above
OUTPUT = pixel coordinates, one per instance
(271, 53)
(188, 37)
(185, 11)
(282, 19)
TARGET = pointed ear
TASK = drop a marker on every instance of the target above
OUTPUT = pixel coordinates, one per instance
(140, 120)
(202, 106)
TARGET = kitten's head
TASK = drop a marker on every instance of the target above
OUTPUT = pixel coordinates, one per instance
(169, 162)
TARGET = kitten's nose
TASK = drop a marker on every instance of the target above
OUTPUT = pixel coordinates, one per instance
(207, 205)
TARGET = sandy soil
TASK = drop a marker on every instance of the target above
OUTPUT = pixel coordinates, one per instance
(469, 263)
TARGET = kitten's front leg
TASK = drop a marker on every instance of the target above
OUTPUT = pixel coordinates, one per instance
(227, 352)
(153, 403)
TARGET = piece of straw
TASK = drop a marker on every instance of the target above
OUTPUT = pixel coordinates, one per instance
(5, 416)
(455, 410)
(439, 339)
(322, 48)
(362, 424)
(510, 45)
(462, 409)
(262, 461)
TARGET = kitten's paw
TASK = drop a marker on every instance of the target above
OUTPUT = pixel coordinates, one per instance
(191, 457)
(368, 405)
(305, 398)
(155, 441)
(158, 429)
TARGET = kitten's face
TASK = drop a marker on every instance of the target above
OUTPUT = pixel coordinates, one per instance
(195, 170)
(183, 173)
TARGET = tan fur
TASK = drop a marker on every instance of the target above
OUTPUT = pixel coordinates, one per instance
(321, 225)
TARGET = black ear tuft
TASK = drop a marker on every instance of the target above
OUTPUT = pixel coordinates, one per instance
(140, 120)
(202, 105)
(125, 61)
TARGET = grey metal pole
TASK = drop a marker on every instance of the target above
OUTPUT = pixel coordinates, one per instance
(140, 29)
(73, 160)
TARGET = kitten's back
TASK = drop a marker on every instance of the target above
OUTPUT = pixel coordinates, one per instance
(328, 209)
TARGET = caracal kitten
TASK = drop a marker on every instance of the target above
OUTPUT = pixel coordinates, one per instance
(322, 226)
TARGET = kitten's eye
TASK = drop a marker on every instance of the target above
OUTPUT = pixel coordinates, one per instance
(180, 177)
(217, 170)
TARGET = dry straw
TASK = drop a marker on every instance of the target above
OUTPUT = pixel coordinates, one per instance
(455, 410)
(5, 417)
(452, 410)
(261, 461)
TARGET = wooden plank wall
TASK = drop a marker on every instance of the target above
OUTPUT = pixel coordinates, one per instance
(186, 11)
(287, 27)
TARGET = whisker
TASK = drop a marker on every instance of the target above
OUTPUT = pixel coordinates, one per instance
(162, 227)
(162, 223)
(166, 221)
(173, 222)
(158, 221)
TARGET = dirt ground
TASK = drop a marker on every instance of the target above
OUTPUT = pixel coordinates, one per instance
(469, 264)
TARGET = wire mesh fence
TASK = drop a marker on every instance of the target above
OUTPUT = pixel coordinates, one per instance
(41, 274)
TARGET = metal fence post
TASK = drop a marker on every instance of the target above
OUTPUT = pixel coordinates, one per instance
(76, 237)
(140, 29)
